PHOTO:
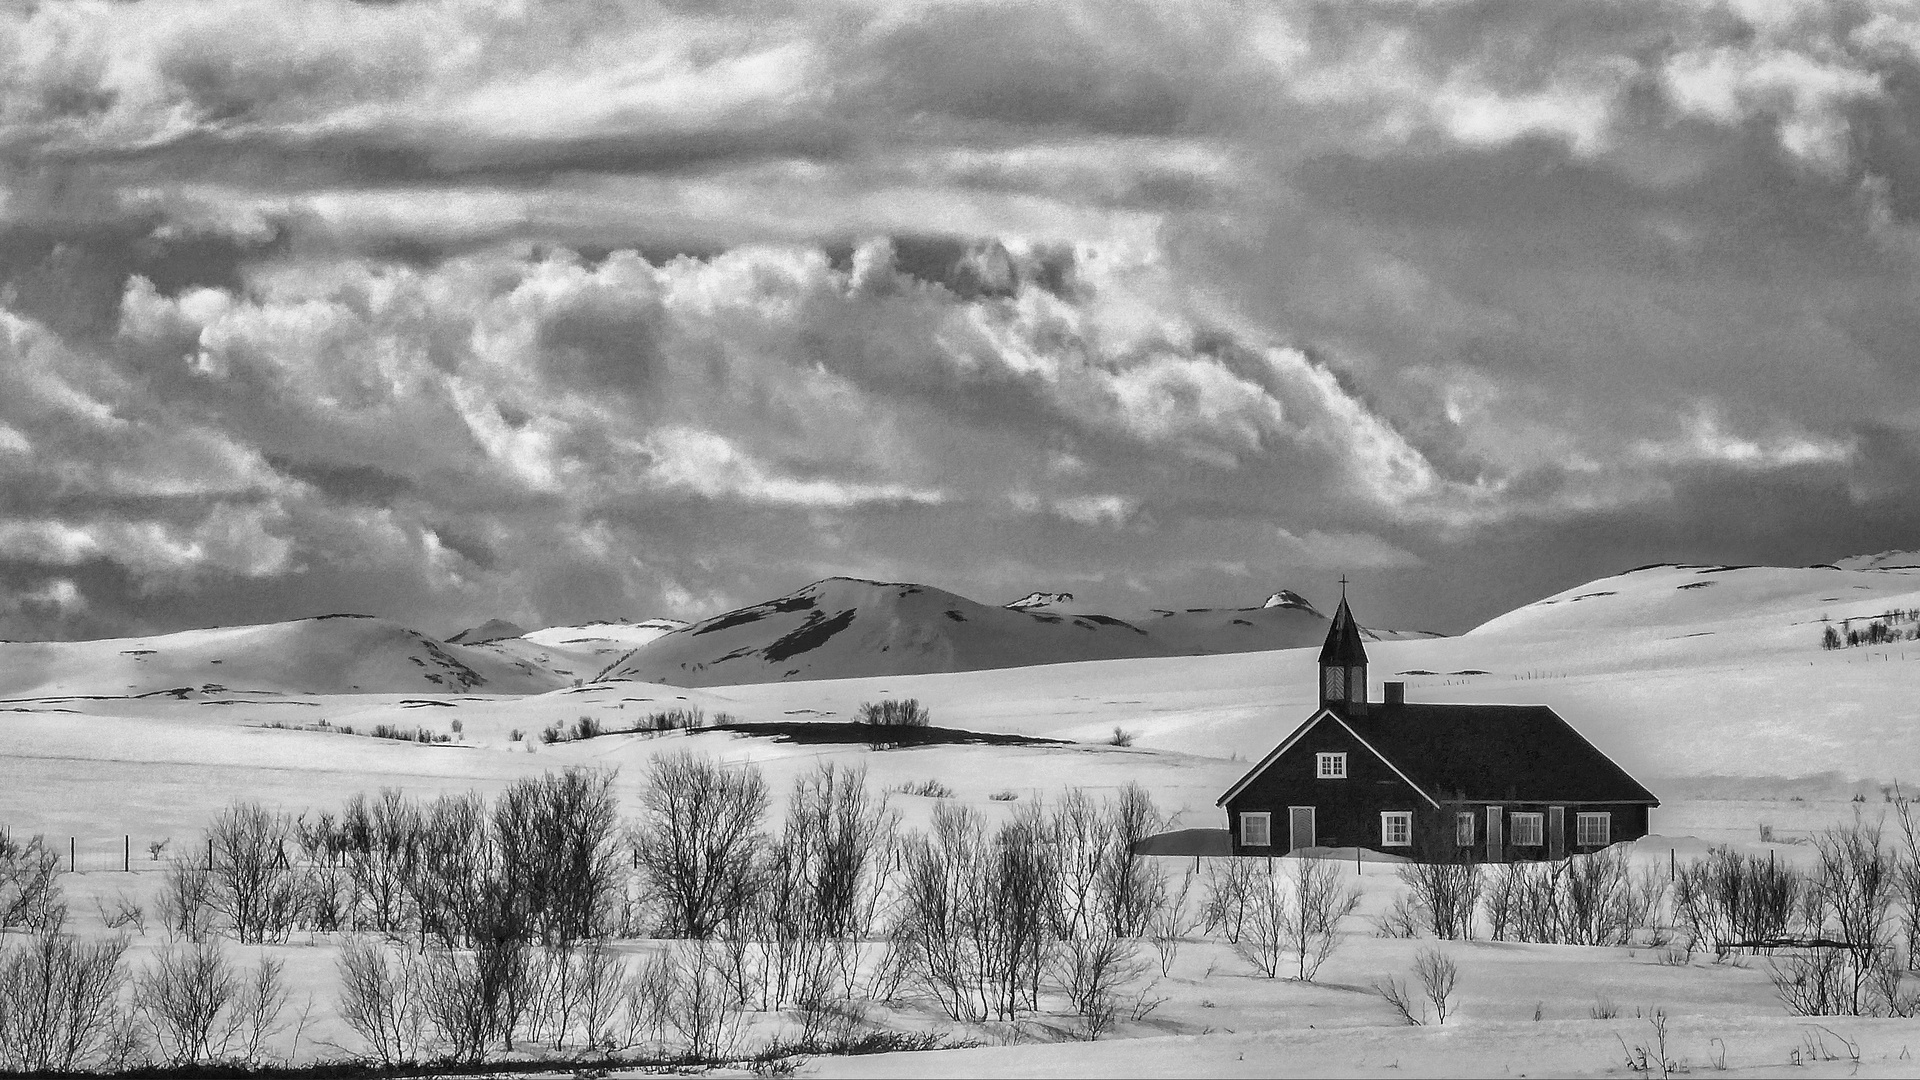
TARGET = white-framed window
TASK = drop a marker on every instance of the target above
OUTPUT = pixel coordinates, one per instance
(1593, 830)
(1396, 828)
(1463, 828)
(1256, 830)
(1333, 766)
(1528, 829)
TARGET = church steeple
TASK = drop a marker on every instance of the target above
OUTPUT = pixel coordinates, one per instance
(1343, 663)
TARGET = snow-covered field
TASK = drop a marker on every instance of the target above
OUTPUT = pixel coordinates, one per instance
(1709, 684)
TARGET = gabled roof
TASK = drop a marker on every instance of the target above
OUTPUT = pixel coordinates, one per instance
(1343, 647)
(1481, 753)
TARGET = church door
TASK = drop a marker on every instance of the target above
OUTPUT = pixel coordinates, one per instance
(1299, 827)
(1556, 832)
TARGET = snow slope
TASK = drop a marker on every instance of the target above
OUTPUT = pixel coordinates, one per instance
(332, 654)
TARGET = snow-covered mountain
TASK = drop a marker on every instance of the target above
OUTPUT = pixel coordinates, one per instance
(332, 654)
(848, 628)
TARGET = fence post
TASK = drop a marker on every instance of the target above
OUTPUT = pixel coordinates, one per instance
(209, 852)
(1673, 864)
(126, 853)
(73, 860)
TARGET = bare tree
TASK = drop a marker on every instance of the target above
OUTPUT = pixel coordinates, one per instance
(1445, 891)
(1438, 974)
(184, 999)
(381, 992)
(59, 1003)
(254, 885)
(380, 840)
(29, 885)
(1229, 895)
(697, 838)
(186, 899)
(1320, 902)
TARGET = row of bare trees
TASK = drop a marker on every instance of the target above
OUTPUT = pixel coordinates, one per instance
(1841, 938)
(476, 926)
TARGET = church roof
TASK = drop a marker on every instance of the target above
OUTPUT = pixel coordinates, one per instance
(1494, 753)
(1343, 647)
(1480, 753)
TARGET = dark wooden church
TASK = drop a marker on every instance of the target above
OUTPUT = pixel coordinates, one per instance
(1434, 782)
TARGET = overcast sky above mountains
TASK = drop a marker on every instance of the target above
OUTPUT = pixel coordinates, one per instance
(466, 310)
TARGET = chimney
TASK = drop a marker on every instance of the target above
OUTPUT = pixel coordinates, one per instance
(1396, 694)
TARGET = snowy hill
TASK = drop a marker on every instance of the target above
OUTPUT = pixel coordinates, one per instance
(1881, 560)
(1671, 595)
(491, 630)
(332, 654)
(599, 637)
(846, 628)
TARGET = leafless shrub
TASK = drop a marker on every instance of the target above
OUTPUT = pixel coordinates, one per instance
(1402, 919)
(381, 999)
(1648, 1058)
(1170, 922)
(123, 910)
(473, 999)
(253, 880)
(1907, 874)
(1095, 970)
(185, 1000)
(1728, 899)
(1851, 966)
(324, 900)
(1229, 895)
(29, 885)
(1438, 974)
(646, 999)
(1395, 991)
(1120, 737)
(1004, 795)
(1296, 912)
(696, 840)
(974, 923)
(255, 1019)
(380, 838)
(925, 789)
(703, 1021)
(557, 841)
(59, 1004)
(894, 712)
(1445, 894)
(186, 899)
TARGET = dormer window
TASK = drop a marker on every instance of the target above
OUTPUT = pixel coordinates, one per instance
(1333, 766)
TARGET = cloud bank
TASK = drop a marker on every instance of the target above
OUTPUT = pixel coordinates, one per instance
(454, 310)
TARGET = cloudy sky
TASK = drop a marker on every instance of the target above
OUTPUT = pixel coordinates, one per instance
(445, 311)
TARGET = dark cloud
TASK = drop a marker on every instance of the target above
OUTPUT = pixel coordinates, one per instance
(450, 313)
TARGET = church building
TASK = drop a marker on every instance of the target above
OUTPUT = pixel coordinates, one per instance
(1485, 783)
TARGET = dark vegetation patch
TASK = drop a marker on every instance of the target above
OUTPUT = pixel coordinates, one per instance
(1108, 620)
(835, 732)
(955, 616)
(757, 612)
(1470, 671)
(812, 634)
(1695, 585)
(1591, 595)
(1724, 569)
(340, 615)
(1241, 622)
(1652, 566)
(1045, 618)
(136, 652)
(1419, 671)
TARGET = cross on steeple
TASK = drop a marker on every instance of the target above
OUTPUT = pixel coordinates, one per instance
(1343, 586)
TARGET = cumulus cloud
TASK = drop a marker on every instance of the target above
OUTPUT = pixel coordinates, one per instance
(475, 309)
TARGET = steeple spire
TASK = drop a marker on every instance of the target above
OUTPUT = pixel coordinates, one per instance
(1343, 662)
